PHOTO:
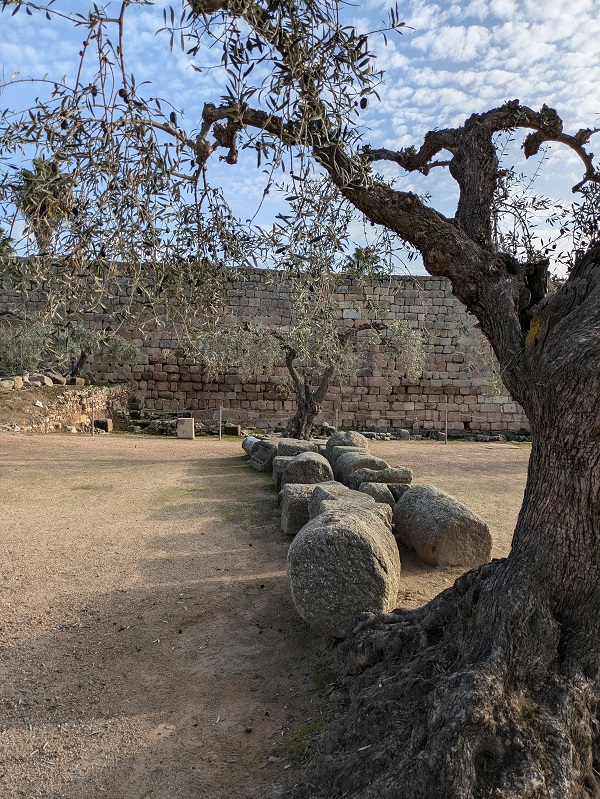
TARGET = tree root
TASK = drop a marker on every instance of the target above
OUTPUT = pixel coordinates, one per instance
(466, 698)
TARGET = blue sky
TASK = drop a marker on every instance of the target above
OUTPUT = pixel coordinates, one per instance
(457, 58)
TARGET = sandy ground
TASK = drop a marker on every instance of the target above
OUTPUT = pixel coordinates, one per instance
(149, 648)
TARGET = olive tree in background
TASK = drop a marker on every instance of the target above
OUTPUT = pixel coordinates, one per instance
(492, 688)
(307, 246)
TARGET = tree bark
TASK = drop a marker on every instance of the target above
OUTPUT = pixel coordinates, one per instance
(492, 689)
(308, 400)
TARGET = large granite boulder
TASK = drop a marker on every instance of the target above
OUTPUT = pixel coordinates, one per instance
(393, 474)
(336, 496)
(441, 530)
(294, 446)
(294, 499)
(263, 454)
(351, 461)
(335, 452)
(330, 489)
(380, 493)
(280, 463)
(308, 467)
(342, 564)
(345, 438)
(362, 503)
(398, 490)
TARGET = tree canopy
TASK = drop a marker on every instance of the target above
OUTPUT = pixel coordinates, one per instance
(492, 688)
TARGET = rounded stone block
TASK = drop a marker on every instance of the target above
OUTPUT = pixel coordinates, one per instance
(345, 438)
(380, 493)
(393, 474)
(441, 530)
(341, 565)
(294, 446)
(308, 467)
(351, 461)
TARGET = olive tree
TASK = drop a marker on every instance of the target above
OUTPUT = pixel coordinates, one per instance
(313, 344)
(491, 689)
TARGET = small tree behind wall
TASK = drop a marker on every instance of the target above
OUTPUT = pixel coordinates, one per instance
(316, 345)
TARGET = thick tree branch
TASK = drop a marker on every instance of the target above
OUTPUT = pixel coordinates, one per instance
(493, 286)
(511, 115)
(414, 160)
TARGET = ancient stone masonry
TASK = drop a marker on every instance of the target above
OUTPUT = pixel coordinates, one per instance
(458, 379)
(61, 408)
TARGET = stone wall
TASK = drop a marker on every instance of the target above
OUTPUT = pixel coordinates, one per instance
(59, 408)
(457, 380)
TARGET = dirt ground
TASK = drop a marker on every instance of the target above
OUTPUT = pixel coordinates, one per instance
(149, 648)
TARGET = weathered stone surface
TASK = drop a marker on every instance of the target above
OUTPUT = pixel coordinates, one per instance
(404, 435)
(441, 530)
(341, 565)
(43, 380)
(330, 489)
(249, 443)
(18, 381)
(185, 428)
(380, 493)
(280, 463)
(393, 474)
(345, 438)
(351, 461)
(338, 450)
(294, 499)
(294, 446)
(398, 490)
(362, 502)
(308, 467)
(7, 384)
(262, 455)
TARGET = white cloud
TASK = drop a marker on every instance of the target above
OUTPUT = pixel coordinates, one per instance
(455, 42)
(462, 57)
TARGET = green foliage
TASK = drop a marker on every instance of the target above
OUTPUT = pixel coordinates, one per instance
(22, 347)
(365, 262)
(35, 344)
(45, 198)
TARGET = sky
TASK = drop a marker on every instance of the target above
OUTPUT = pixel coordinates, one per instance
(452, 59)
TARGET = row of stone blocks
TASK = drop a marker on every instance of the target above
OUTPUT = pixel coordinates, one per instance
(346, 511)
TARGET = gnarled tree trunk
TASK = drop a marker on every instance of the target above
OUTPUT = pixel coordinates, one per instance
(309, 400)
(492, 689)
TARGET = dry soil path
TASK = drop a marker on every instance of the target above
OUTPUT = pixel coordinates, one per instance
(149, 648)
